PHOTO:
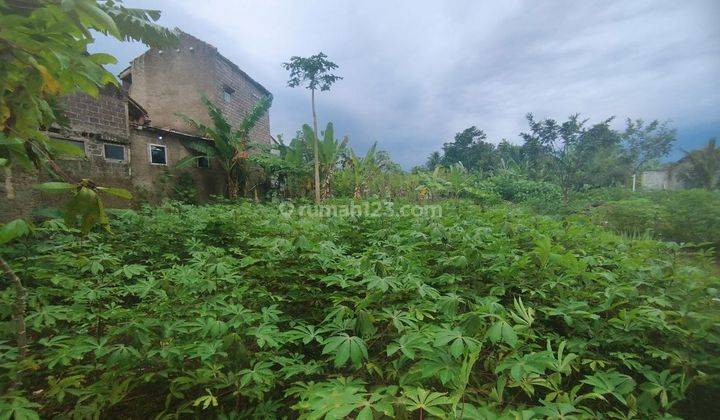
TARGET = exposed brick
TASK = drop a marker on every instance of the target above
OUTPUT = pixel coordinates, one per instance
(165, 84)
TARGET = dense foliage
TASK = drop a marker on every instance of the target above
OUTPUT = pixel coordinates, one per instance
(572, 154)
(243, 311)
(680, 216)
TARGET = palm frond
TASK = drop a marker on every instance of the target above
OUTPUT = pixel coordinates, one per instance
(187, 161)
(200, 146)
(139, 25)
(256, 113)
(220, 123)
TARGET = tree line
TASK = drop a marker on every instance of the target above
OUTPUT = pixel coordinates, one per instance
(576, 154)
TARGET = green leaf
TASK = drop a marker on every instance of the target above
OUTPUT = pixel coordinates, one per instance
(502, 331)
(102, 58)
(118, 192)
(14, 229)
(64, 148)
(612, 383)
(54, 186)
(419, 399)
(187, 161)
(365, 414)
(346, 348)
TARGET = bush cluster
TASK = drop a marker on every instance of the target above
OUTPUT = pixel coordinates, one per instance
(237, 311)
(679, 216)
(517, 189)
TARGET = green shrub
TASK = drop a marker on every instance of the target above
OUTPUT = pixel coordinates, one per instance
(484, 193)
(597, 196)
(185, 189)
(690, 216)
(239, 311)
(516, 189)
(678, 216)
(633, 216)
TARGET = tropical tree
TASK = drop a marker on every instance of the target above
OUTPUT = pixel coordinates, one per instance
(314, 73)
(645, 144)
(470, 148)
(571, 153)
(229, 147)
(43, 45)
(703, 166)
(433, 161)
(296, 176)
(329, 151)
(44, 57)
(363, 168)
(458, 180)
(510, 157)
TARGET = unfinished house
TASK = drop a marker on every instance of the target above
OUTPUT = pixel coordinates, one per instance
(132, 136)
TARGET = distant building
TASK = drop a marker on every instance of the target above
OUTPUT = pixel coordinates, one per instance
(132, 136)
(665, 178)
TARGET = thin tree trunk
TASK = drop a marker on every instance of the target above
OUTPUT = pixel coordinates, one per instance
(9, 189)
(233, 187)
(315, 150)
(327, 187)
(18, 309)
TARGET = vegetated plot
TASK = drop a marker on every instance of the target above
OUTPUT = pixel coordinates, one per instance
(239, 311)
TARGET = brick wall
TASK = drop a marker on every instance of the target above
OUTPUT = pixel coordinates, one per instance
(167, 82)
(92, 166)
(171, 81)
(105, 115)
(164, 83)
(242, 100)
(153, 182)
(94, 122)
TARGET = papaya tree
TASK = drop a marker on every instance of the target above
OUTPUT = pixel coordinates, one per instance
(314, 73)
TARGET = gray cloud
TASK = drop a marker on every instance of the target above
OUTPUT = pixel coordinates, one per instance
(417, 72)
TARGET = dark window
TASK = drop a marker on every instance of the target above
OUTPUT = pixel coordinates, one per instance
(114, 152)
(203, 162)
(158, 154)
(228, 93)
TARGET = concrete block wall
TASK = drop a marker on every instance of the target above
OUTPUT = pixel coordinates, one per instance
(165, 83)
(93, 166)
(153, 182)
(106, 115)
(171, 81)
(245, 95)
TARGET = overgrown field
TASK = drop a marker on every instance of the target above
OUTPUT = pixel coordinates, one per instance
(241, 312)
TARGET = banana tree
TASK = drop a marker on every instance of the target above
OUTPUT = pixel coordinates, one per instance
(329, 152)
(230, 148)
(702, 167)
(432, 184)
(363, 168)
(459, 180)
(296, 176)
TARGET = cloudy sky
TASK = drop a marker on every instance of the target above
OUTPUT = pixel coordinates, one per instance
(416, 72)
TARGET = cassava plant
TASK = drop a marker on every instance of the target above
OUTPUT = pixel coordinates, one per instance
(44, 45)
